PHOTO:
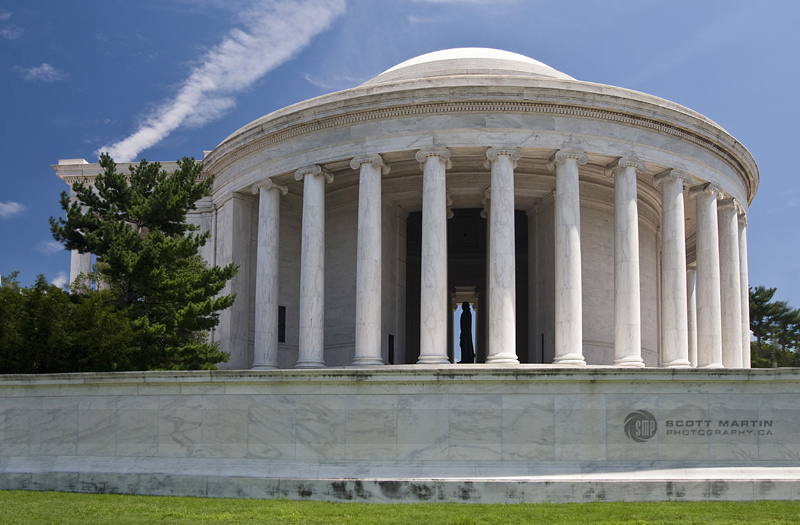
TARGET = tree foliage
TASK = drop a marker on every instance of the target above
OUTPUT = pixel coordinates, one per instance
(147, 256)
(776, 328)
(45, 330)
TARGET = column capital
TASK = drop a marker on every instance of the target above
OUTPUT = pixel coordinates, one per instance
(743, 216)
(313, 170)
(269, 184)
(708, 188)
(493, 153)
(564, 154)
(623, 163)
(375, 160)
(442, 153)
(729, 203)
(672, 175)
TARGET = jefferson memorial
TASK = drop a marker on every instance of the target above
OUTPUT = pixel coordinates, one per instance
(585, 223)
(595, 235)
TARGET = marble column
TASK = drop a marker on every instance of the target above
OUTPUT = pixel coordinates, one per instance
(433, 293)
(568, 290)
(368, 260)
(674, 277)
(730, 277)
(312, 267)
(709, 321)
(744, 287)
(79, 263)
(502, 269)
(265, 349)
(627, 301)
(691, 315)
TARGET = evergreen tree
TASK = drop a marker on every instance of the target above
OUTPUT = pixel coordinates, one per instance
(45, 330)
(762, 310)
(776, 327)
(147, 254)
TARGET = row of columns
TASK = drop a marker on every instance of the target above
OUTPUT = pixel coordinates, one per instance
(721, 288)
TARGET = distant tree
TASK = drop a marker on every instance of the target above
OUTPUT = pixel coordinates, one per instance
(762, 311)
(776, 327)
(148, 257)
(45, 330)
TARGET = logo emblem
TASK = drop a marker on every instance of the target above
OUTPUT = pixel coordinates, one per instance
(640, 426)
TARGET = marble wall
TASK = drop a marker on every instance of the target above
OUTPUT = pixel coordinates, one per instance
(395, 423)
(452, 414)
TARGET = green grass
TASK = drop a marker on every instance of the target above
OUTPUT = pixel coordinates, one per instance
(60, 507)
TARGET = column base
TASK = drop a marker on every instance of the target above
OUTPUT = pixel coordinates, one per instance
(629, 362)
(264, 367)
(310, 363)
(677, 363)
(432, 360)
(569, 359)
(502, 360)
(713, 365)
(368, 361)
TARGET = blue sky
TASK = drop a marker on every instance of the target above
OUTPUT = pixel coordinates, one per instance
(162, 79)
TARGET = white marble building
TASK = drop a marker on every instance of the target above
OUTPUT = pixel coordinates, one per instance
(574, 216)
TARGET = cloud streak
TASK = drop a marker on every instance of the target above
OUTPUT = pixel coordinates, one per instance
(49, 247)
(43, 73)
(11, 208)
(274, 32)
(11, 32)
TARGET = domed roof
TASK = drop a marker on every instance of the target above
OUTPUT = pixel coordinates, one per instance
(467, 61)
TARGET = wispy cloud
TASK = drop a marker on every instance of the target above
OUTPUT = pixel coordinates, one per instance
(10, 208)
(11, 32)
(60, 280)
(5, 15)
(49, 247)
(412, 19)
(273, 33)
(43, 73)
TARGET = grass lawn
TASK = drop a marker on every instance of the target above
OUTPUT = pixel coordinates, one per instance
(59, 507)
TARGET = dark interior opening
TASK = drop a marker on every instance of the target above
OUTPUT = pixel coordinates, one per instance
(466, 266)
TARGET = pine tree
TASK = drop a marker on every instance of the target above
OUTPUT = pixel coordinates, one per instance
(148, 255)
(762, 310)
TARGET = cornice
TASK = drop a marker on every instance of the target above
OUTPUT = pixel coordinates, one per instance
(409, 110)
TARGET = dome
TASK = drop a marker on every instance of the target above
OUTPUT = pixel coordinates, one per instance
(467, 61)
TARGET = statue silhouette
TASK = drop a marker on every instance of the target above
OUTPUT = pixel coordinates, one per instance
(467, 348)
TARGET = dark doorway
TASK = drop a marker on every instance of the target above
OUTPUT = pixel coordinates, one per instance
(466, 248)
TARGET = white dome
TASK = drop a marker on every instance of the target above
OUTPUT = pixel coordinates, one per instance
(467, 61)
